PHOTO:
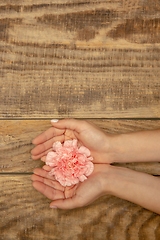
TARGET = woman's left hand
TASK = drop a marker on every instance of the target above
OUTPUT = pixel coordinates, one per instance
(79, 195)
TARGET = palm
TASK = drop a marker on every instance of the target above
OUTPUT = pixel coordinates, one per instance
(79, 195)
(88, 191)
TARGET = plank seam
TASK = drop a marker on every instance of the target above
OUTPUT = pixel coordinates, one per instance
(154, 119)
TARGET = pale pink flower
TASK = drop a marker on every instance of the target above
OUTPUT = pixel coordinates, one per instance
(69, 163)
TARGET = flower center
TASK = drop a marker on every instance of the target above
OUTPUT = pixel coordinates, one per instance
(71, 164)
(72, 160)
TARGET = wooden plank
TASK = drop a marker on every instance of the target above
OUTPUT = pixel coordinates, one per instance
(16, 137)
(25, 214)
(77, 58)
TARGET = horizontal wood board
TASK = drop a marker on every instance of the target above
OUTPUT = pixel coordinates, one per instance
(25, 214)
(82, 59)
(16, 142)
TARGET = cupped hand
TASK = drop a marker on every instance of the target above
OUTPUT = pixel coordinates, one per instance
(79, 195)
(87, 134)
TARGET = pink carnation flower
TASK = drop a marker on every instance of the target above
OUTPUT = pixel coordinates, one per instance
(69, 163)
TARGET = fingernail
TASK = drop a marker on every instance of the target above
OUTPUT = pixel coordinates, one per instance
(54, 120)
(53, 207)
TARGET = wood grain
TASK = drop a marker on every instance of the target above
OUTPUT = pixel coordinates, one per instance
(25, 214)
(17, 135)
(77, 58)
(82, 59)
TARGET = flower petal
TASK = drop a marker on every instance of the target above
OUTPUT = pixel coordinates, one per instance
(89, 168)
(51, 159)
(84, 150)
(63, 182)
(70, 143)
(57, 146)
(82, 178)
(69, 164)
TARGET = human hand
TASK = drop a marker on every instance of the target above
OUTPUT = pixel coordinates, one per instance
(78, 195)
(139, 188)
(87, 134)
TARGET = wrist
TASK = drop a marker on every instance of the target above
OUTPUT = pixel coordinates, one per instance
(115, 180)
(114, 148)
(108, 179)
(139, 188)
(135, 147)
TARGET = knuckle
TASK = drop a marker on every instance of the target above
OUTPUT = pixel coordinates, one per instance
(53, 184)
(53, 194)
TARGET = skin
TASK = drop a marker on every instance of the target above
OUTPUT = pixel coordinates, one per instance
(140, 188)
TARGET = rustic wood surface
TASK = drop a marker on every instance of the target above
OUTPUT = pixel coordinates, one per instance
(77, 58)
(16, 142)
(84, 59)
(25, 214)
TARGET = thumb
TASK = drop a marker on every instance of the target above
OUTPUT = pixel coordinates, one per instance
(72, 124)
(68, 203)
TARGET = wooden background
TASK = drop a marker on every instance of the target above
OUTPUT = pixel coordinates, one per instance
(98, 60)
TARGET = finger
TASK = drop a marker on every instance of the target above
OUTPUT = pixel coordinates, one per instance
(68, 203)
(48, 191)
(48, 134)
(52, 183)
(70, 191)
(43, 159)
(47, 168)
(72, 124)
(41, 148)
(43, 173)
(35, 157)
